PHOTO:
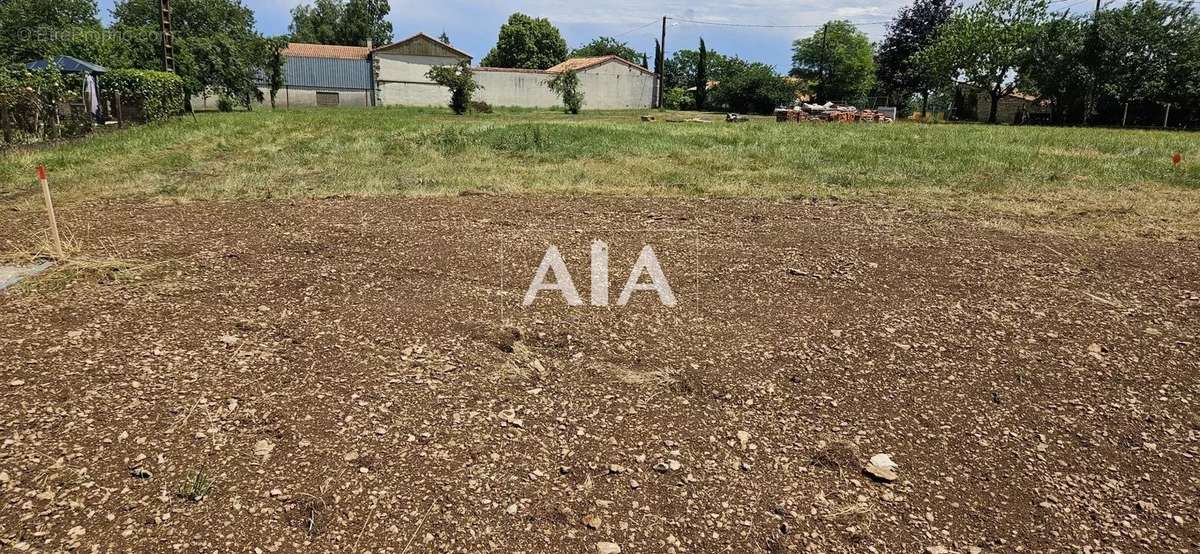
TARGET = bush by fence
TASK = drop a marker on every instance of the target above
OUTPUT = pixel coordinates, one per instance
(37, 105)
(148, 95)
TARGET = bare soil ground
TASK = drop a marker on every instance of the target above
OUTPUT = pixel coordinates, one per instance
(358, 375)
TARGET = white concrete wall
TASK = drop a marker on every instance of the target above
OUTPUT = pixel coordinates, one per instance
(516, 88)
(413, 94)
(408, 68)
(613, 85)
(289, 97)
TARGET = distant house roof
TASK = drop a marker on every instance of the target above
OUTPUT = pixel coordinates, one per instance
(69, 65)
(509, 70)
(581, 64)
(427, 42)
(305, 50)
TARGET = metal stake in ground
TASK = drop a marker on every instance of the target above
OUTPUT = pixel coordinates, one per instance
(58, 249)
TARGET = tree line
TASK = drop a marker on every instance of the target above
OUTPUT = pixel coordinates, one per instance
(1080, 68)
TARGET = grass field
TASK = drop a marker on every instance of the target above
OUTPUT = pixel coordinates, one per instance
(1066, 178)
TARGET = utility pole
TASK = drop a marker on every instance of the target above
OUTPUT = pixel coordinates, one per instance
(662, 64)
(824, 61)
(168, 41)
(1094, 62)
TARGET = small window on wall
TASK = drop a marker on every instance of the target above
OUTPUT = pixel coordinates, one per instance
(327, 99)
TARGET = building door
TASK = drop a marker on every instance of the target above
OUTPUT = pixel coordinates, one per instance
(327, 99)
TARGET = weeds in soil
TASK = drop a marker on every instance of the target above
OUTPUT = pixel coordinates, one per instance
(310, 513)
(836, 454)
(197, 486)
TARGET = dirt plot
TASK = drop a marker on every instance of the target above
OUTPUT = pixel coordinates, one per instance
(358, 375)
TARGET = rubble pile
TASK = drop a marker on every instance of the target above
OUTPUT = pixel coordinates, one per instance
(830, 112)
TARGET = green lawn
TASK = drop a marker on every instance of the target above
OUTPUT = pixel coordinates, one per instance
(1052, 174)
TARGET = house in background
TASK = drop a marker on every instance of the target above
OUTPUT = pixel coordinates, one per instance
(315, 75)
(607, 82)
(395, 75)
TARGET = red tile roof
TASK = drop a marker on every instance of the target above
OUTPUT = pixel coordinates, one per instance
(305, 50)
(581, 64)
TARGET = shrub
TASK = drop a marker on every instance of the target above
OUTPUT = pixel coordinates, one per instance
(460, 80)
(677, 98)
(224, 104)
(566, 84)
(155, 94)
(479, 106)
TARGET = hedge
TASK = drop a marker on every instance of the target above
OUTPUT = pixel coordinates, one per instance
(157, 94)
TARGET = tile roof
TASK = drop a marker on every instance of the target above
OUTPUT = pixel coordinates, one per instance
(580, 64)
(305, 50)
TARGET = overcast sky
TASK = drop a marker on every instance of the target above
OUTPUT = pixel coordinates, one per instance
(473, 25)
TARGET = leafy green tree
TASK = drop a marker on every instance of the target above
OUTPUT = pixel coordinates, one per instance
(900, 71)
(680, 69)
(365, 22)
(756, 88)
(608, 46)
(991, 45)
(216, 46)
(701, 82)
(527, 43)
(444, 38)
(839, 58)
(566, 85)
(1059, 73)
(274, 65)
(317, 23)
(34, 29)
(344, 22)
(460, 80)
(1144, 51)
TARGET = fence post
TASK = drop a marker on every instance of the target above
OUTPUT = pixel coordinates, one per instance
(120, 111)
(5, 123)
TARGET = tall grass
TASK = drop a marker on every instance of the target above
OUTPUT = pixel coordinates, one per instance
(318, 152)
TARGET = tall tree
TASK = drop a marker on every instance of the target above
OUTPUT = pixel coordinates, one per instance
(1060, 74)
(33, 29)
(839, 57)
(990, 44)
(274, 65)
(901, 73)
(317, 23)
(216, 46)
(607, 46)
(527, 43)
(365, 22)
(680, 69)
(701, 83)
(1144, 47)
(349, 23)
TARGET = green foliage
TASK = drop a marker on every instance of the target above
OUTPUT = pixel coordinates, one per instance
(34, 99)
(900, 71)
(1145, 50)
(157, 94)
(566, 85)
(677, 98)
(839, 58)
(608, 46)
(460, 80)
(527, 43)
(701, 82)
(216, 46)
(680, 68)
(274, 65)
(990, 44)
(755, 89)
(197, 486)
(35, 29)
(1059, 73)
(345, 22)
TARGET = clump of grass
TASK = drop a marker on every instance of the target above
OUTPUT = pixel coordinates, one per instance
(835, 454)
(197, 486)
